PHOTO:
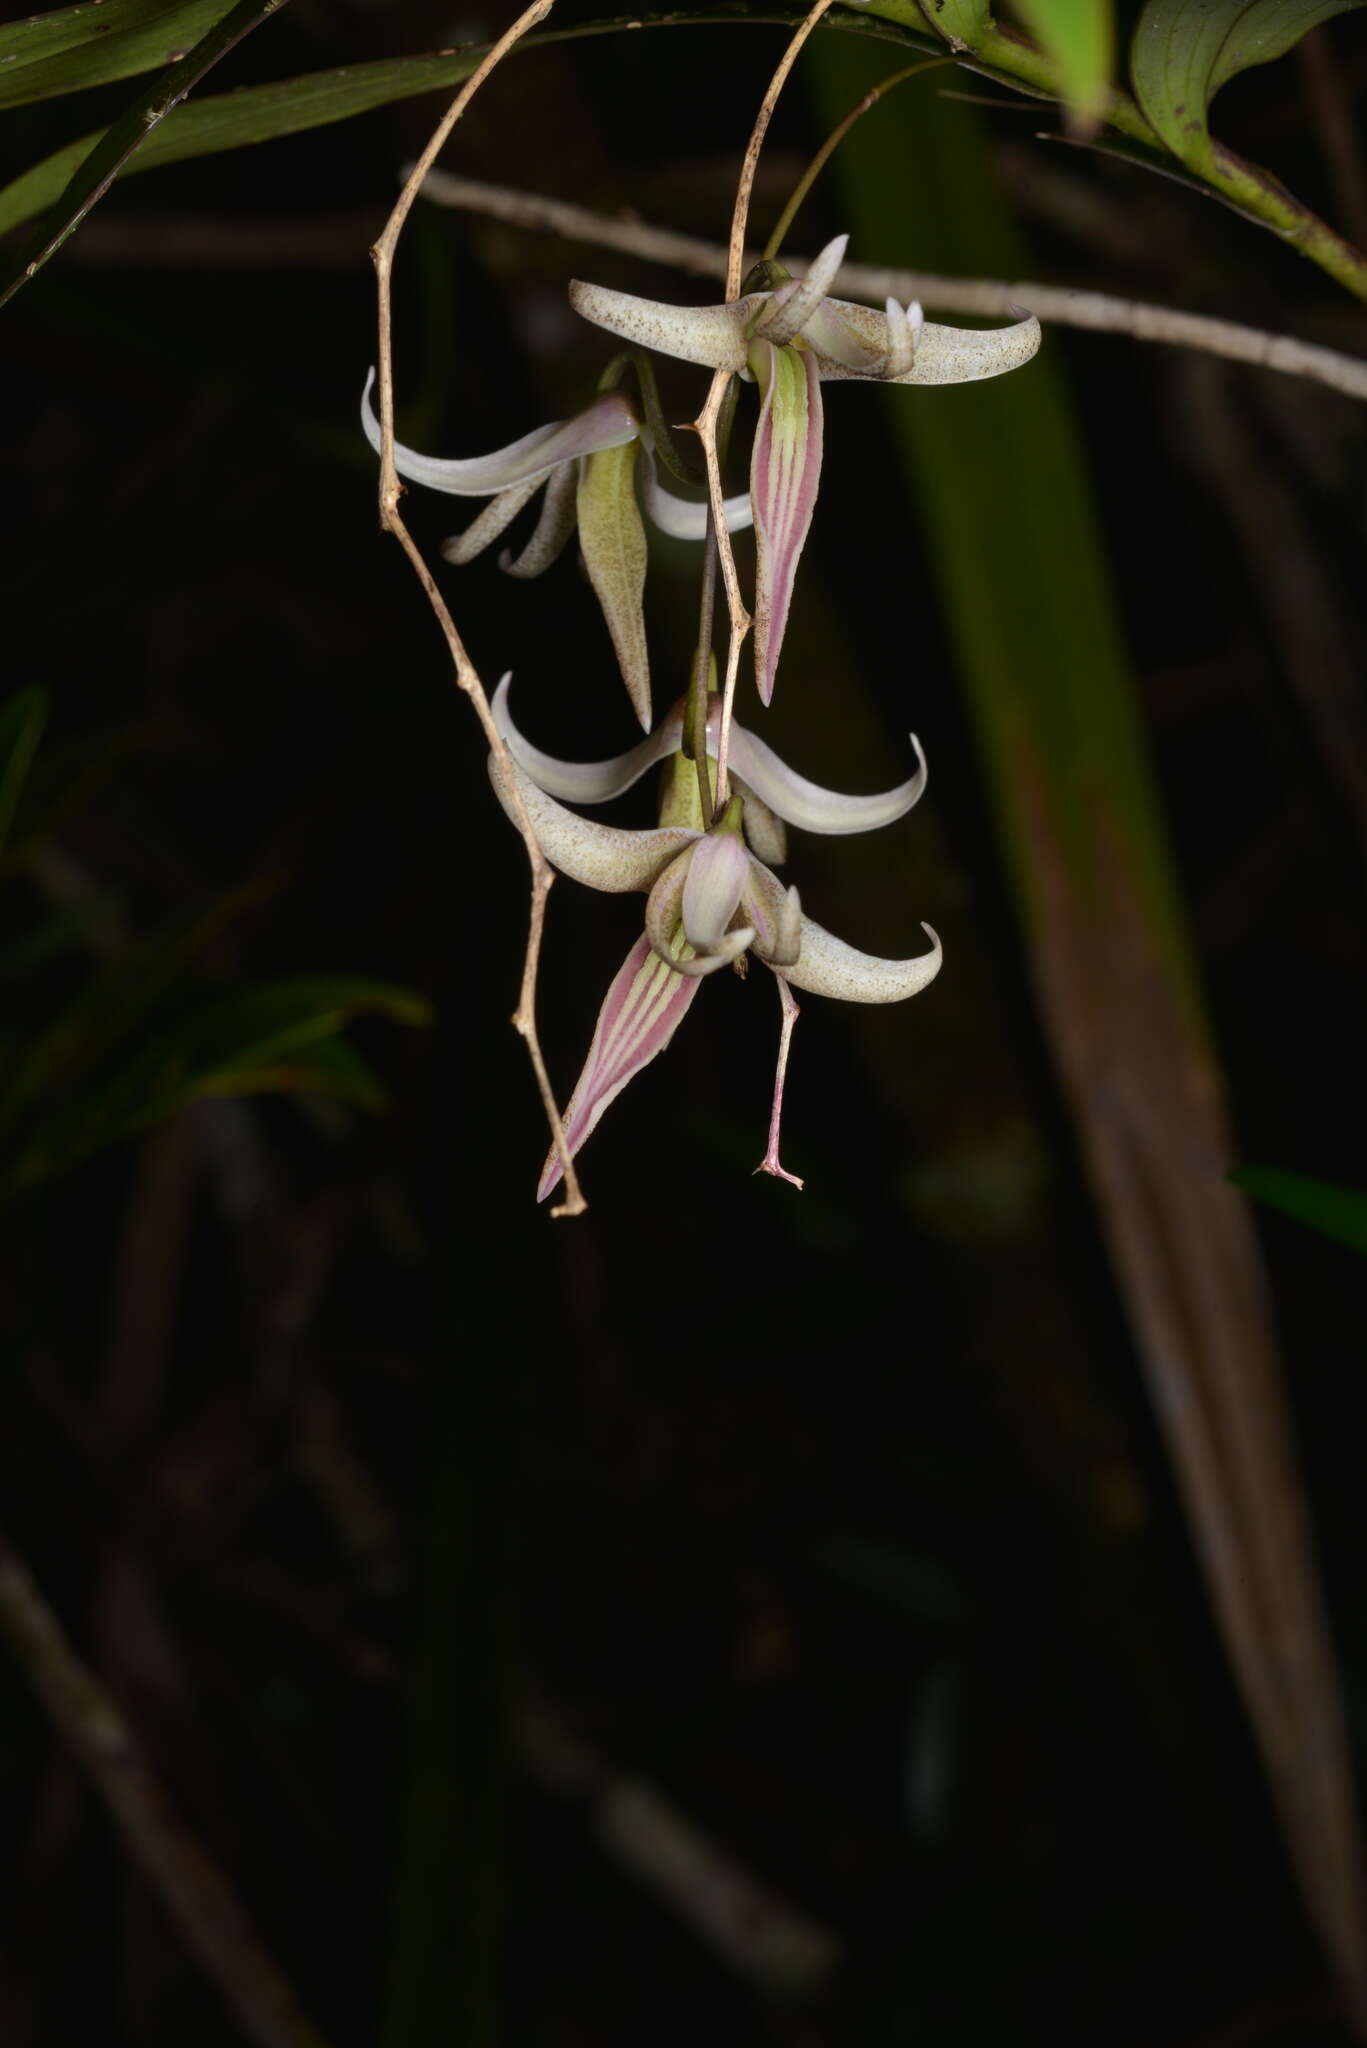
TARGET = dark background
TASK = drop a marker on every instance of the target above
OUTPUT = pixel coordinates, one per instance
(837, 1519)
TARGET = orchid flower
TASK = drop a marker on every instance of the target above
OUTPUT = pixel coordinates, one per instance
(791, 339)
(587, 465)
(709, 897)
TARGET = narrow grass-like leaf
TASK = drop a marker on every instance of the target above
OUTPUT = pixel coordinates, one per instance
(93, 44)
(21, 727)
(1325, 1205)
(97, 172)
(259, 113)
(1011, 532)
(274, 1038)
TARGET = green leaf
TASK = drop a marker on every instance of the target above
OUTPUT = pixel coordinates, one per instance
(962, 23)
(76, 47)
(290, 106)
(276, 1037)
(98, 170)
(1185, 50)
(1335, 1211)
(21, 727)
(1079, 35)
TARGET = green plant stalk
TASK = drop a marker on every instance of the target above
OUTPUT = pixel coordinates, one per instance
(1012, 540)
(1247, 186)
(294, 105)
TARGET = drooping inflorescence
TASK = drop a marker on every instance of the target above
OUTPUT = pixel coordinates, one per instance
(706, 868)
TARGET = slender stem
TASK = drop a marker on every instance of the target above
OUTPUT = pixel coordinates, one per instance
(467, 676)
(1095, 312)
(745, 186)
(706, 423)
(832, 144)
(706, 426)
(702, 663)
(771, 1163)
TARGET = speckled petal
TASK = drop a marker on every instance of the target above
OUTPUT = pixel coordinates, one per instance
(607, 423)
(789, 309)
(552, 529)
(849, 341)
(826, 966)
(485, 528)
(713, 336)
(612, 537)
(600, 856)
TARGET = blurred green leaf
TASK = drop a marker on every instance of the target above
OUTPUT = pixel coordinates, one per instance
(119, 994)
(1335, 1211)
(21, 727)
(277, 1037)
(76, 47)
(289, 106)
(1184, 50)
(1079, 35)
(98, 170)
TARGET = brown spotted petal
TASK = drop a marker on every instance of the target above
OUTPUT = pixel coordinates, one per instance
(852, 341)
(826, 966)
(613, 539)
(600, 856)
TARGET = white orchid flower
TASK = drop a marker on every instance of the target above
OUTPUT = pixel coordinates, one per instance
(709, 898)
(587, 466)
(791, 339)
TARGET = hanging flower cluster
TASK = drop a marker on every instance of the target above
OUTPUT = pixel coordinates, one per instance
(706, 870)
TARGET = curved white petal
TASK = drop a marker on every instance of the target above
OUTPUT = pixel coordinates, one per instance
(600, 856)
(712, 889)
(726, 950)
(826, 966)
(765, 832)
(790, 308)
(852, 341)
(711, 335)
(486, 526)
(553, 527)
(584, 782)
(686, 518)
(806, 804)
(607, 423)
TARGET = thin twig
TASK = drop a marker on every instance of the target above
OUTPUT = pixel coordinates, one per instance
(193, 1890)
(832, 143)
(771, 1163)
(467, 676)
(758, 1932)
(1098, 312)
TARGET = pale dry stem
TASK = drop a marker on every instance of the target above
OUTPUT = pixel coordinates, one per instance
(771, 1163)
(1094, 312)
(467, 676)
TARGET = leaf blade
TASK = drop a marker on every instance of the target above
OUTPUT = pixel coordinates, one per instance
(97, 172)
(88, 45)
(1329, 1207)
